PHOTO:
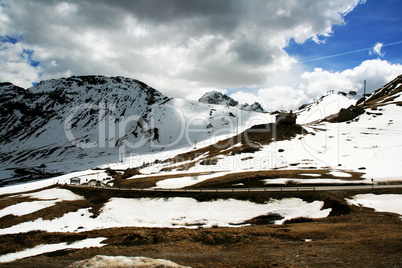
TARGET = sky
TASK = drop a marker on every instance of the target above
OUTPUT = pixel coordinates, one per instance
(279, 53)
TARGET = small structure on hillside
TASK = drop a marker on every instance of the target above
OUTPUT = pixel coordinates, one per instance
(286, 118)
(95, 183)
(342, 93)
(75, 181)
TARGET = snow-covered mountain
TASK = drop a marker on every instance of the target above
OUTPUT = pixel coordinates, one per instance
(216, 97)
(324, 107)
(83, 117)
(255, 107)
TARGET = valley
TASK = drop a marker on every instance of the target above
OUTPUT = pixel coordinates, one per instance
(199, 184)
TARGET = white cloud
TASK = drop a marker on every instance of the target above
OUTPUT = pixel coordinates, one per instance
(184, 48)
(315, 84)
(377, 50)
(377, 72)
(16, 65)
(274, 98)
(176, 46)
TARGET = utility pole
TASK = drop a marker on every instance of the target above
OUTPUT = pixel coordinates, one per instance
(364, 94)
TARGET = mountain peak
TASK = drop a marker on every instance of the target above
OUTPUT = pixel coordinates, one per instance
(216, 97)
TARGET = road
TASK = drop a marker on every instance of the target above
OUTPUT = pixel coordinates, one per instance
(266, 189)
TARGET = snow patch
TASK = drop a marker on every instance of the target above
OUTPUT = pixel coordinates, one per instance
(308, 181)
(340, 174)
(176, 183)
(40, 249)
(55, 194)
(310, 174)
(383, 203)
(47, 198)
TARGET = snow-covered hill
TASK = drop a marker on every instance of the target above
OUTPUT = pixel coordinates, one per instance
(323, 107)
(88, 117)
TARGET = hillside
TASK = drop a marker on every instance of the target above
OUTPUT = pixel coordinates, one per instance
(80, 122)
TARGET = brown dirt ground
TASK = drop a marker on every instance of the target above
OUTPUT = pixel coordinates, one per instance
(356, 238)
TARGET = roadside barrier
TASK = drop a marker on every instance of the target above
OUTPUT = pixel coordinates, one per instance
(240, 190)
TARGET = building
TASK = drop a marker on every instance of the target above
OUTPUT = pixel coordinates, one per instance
(75, 181)
(286, 118)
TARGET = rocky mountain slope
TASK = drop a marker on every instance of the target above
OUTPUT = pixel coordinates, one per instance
(387, 94)
(83, 117)
(215, 97)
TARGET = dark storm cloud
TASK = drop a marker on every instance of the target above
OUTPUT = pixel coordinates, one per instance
(176, 44)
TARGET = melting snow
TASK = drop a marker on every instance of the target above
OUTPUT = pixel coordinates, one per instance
(173, 212)
(47, 198)
(176, 183)
(55, 194)
(40, 249)
(340, 174)
(309, 181)
(384, 202)
(310, 174)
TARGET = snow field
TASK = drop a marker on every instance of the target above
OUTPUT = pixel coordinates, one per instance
(172, 213)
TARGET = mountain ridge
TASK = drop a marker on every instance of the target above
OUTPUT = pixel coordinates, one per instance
(218, 98)
(83, 117)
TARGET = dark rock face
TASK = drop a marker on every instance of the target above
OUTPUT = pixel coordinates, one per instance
(350, 113)
(255, 107)
(215, 97)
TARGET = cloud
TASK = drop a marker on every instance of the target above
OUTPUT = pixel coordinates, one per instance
(376, 50)
(177, 46)
(316, 83)
(17, 65)
(274, 98)
(376, 72)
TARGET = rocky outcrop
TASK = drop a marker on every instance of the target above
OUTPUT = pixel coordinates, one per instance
(218, 98)
(215, 97)
(349, 114)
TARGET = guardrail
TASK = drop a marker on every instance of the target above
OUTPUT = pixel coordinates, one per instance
(238, 190)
